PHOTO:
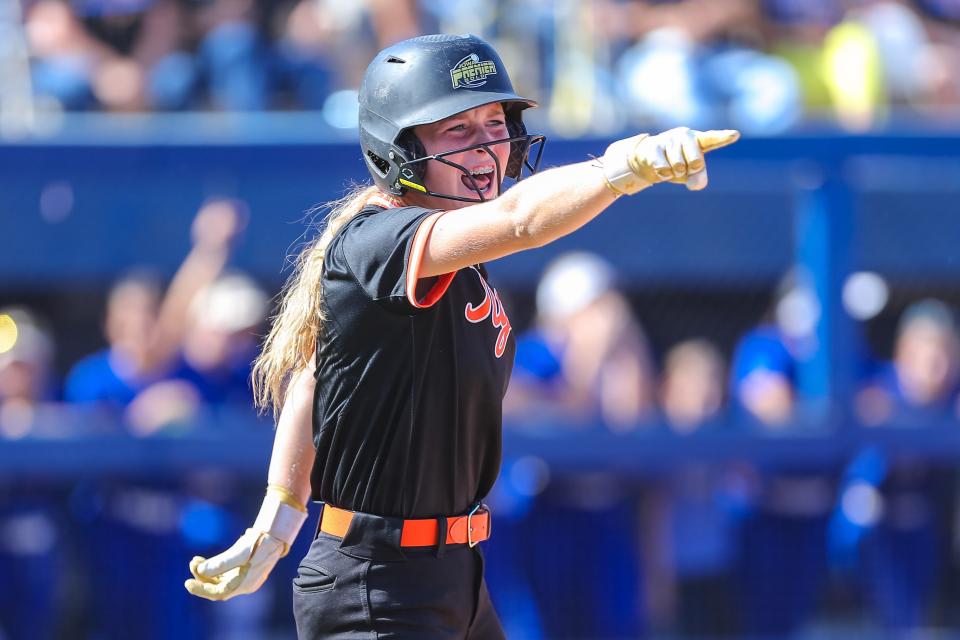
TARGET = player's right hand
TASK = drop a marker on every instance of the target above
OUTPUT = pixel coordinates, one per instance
(242, 568)
(633, 164)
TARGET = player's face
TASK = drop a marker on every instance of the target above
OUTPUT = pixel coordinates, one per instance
(476, 126)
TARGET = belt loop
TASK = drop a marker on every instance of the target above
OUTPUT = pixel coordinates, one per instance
(441, 536)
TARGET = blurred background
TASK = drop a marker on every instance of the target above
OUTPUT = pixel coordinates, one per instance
(733, 413)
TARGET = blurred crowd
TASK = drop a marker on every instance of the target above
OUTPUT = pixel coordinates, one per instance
(597, 66)
(732, 549)
(705, 549)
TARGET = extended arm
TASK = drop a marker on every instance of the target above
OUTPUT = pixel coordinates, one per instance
(244, 567)
(559, 201)
(214, 228)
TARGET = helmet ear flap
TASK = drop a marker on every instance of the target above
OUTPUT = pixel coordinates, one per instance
(519, 149)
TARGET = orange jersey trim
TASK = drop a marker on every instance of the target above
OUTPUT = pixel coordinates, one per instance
(413, 266)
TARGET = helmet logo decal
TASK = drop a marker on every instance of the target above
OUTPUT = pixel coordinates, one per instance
(472, 72)
(408, 179)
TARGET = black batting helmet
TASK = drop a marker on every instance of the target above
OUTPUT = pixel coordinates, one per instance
(424, 80)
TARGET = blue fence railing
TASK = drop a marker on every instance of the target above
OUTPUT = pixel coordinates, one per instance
(243, 446)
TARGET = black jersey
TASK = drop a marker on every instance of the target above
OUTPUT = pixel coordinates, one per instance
(410, 376)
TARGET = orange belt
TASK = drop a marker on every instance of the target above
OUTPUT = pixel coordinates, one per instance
(469, 529)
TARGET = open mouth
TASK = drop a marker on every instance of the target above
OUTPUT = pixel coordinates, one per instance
(483, 177)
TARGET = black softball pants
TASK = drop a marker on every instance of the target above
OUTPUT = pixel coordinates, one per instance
(366, 586)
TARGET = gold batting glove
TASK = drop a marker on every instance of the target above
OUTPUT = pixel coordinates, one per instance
(244, 567)
(633, 164)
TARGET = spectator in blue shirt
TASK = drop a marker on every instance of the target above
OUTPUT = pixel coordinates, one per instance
(895, 509)
(783, 541)
(585, 362)
(701, 502)
(145, 332)
(213, 368)
(587, 356)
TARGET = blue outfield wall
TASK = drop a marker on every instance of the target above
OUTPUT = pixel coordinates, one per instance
(82, 208)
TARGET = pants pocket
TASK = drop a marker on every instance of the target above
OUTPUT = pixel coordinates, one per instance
(329, 595)
(311, 578)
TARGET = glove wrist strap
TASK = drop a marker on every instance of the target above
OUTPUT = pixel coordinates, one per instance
(281, 516)
(618, 172)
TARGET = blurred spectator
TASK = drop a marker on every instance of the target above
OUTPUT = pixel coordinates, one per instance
(703, 58)
(115, 375)
(783, 541)
(122, 56)
(587, 356)
(133, 375)
(26, 384)
(222, 338)
(320, 48)
(31, 544)
(219, 346)
(764, 376)
(940, 62)
(144, 331)
(305, 52)
(903, 47)
(894, 508)
(796, 32)
(585, 360)
(690, 548)
(921, 382)
(890, 525)
(692, 386)
(767, 374)
(231, 56)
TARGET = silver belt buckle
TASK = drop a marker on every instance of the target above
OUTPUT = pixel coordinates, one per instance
(470, 541)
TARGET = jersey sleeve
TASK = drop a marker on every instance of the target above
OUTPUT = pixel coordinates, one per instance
(383, 251)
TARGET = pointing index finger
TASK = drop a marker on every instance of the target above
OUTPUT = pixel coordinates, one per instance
(715, 139)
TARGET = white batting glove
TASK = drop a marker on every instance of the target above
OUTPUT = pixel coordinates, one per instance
(633, 164)
(244, 567)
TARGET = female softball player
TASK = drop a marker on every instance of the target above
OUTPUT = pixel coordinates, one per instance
(391, 352)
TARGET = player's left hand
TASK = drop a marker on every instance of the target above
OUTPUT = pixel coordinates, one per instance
(633, 164)
(245, 566)
(241, 569)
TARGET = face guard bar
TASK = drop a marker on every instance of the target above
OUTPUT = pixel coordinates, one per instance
(410, 175)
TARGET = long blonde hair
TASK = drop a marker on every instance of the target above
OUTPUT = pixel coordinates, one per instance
(290, 345)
